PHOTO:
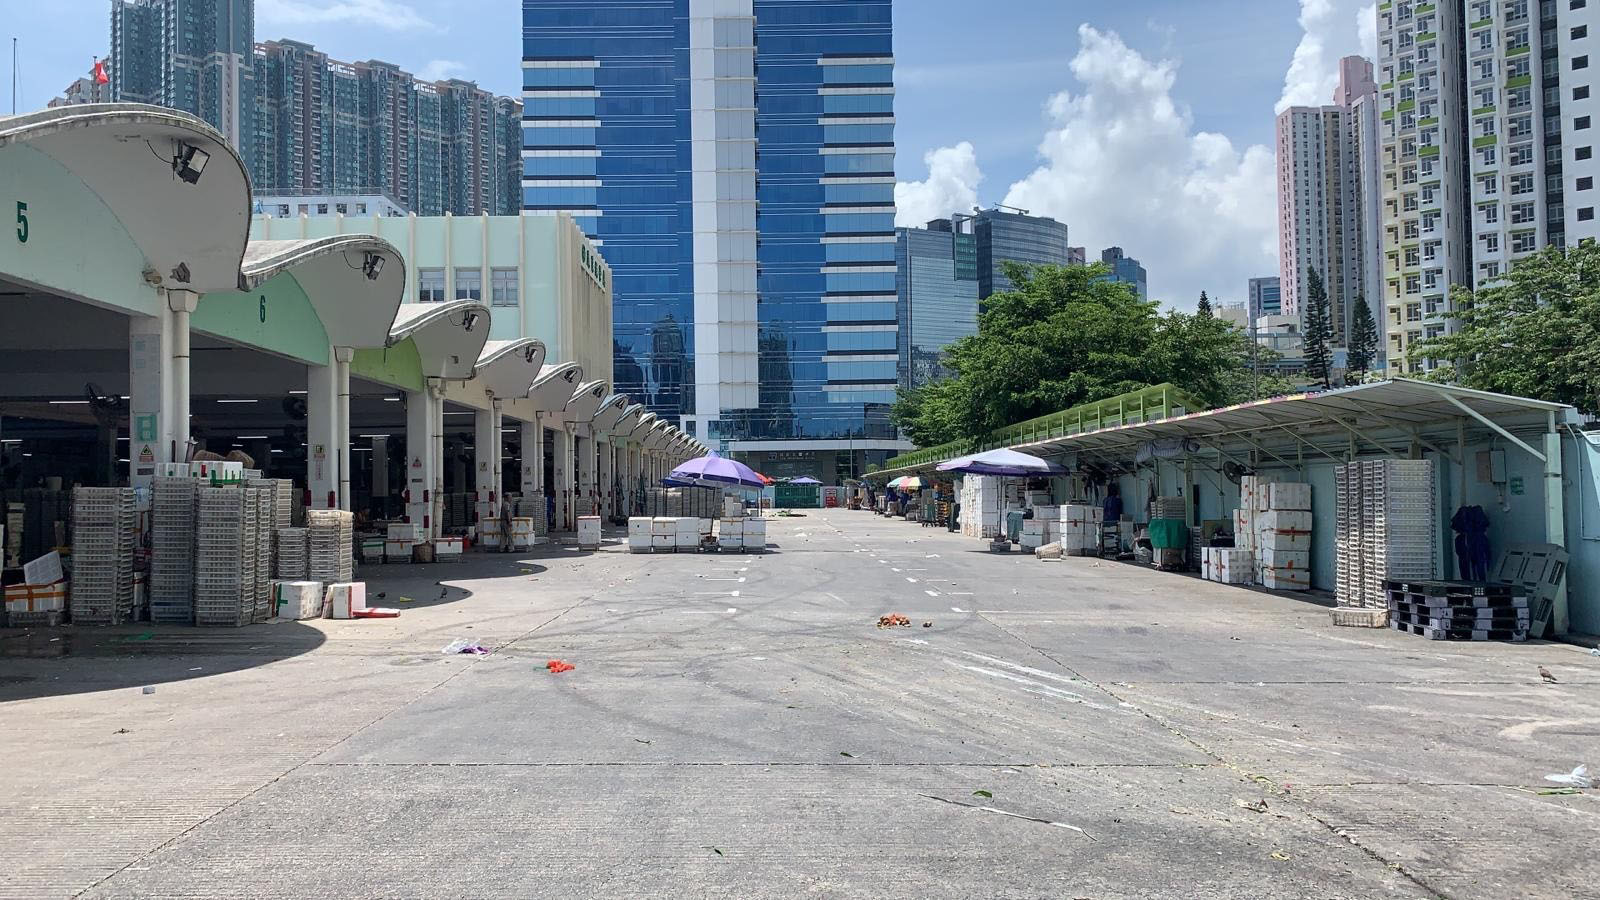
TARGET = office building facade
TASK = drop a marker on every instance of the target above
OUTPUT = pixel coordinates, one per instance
(1125, 269)
(643, 122)
(937, 284)
(1265, 297)
(1323, 197)
(1006, 235)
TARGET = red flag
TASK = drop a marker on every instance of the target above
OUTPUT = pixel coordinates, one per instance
(100, 76)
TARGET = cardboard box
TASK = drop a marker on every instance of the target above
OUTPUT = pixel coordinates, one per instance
(1284, 559)
(1283, 520)
(341, 600)
(297, 599)
(1288, 495)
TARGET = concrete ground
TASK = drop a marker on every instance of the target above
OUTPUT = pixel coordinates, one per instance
(736, 726)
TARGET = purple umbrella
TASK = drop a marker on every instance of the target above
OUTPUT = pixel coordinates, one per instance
(805, 479)
(717, 471)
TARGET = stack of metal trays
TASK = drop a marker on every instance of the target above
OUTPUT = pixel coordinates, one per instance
(104, 533)
(264, 499)
(292, 554)
(224, 573)
(172, 533)
(330, 545)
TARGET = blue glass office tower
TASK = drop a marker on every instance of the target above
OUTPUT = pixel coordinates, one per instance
(1125, 269)
(1006, 235)
(735, 159)
(937, 281)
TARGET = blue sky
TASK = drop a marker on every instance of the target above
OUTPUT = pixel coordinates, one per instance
(1145, 123)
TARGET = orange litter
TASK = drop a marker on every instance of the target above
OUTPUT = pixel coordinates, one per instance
(557, 666)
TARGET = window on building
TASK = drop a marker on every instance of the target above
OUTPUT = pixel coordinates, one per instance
(1586, 183)
(1526, 242)
(1487, 156)
(1580, 123)
(1413, 312)
(1522, 184)
(430, 285)
(1586, 214)
(1580, 62)
(322, 209)
(469, 284)
(1490, 241)
(1490, 213)
(1579, 32)
(503, 285)
(1581, 92)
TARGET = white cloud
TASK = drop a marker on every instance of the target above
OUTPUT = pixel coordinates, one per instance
(440, 69)
(386, 14)
(1332, 29)
(1123, 165)
(952, 186)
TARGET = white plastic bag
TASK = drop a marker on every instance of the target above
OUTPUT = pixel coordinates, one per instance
(1578, 778)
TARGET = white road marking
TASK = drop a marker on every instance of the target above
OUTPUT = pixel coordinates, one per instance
(734, 594)
(961, 593)
(893, 569)
(956, 609)
(910, 579)
(931, 593)
(732, 610)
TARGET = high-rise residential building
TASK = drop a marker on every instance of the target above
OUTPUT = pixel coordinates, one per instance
(88, 89)
(208, 62)
(1125, 269)
(325, 127)
(137, 50)
(1012, 235)
(937, 283)
(1323, 152)
(1265, 297)
(643, 121)
(1578, 41)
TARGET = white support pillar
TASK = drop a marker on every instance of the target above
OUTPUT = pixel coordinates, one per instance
(587, 458)
(533, 459)
(486, 456)
(380, 474)
(150, 422)
(608, 480)
(322, 435)
(421, 462)
(181, 304)
(565, 482)
(1555, 522)
(436, 426)
(341, 437)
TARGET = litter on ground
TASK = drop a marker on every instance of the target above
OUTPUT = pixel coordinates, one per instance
(557, 666)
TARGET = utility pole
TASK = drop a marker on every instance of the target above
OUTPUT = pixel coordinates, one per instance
(13, 76)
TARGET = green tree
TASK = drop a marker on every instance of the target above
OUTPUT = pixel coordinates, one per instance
(1318, 332)
(1363, 346)
(1203, 309)
(1065, 336)
(1534, 333)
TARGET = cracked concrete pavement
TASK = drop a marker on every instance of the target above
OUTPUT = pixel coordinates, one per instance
(736, 726)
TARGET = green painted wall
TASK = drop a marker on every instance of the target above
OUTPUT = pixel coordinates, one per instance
(399, 366)
(276, 317)
(74, 244)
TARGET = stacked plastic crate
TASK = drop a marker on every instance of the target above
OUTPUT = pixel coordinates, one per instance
(1349, 555)
(103, 535)
(264, 498)
(291, 554)
(1397, 525)
(224, 572)
(330, 538)
(172, 532)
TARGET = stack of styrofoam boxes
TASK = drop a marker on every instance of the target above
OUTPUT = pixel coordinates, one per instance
(330, 539)
(1349, 561)
(980, 507)
(104, 530)
(401, 539)
(489, 536)
(1080, 529)
(1244, 522)
(292, 554)
(522, 536)
(686, 534)
(172, 528)
(220, 579)
(1034, 534)
(1283, 535)
(730, 534)
(449, 549)
(732, 507)
(1227, 565)
(1050, 515)
(588, 532)
(754, 536)
(1398, 524)
(297, 600)
(664, 534)
(639, 534)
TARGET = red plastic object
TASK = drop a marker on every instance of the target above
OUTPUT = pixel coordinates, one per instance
(557, 666)
(375, 612)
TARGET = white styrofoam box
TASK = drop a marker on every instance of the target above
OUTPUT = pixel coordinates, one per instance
(1284, 541)
(639, 543)
(44, 570)
(521, 527)
(1031, 542)
(1283, 520)
(732, 507)
(1233, 565)
(588, 531)
(687, 525)
(662, 525)
(639, 525)
(1206, 571)
(406, 531)
(686, 541)
(344, 597)
(1286, 579)
(397, 549)
(1047, 513)
(1033, 526)
(755, 534)
(172, 470)
(1288, 495)
(488, 527)
(663, 541)
(490, 541)
(450, 546)
(297, 599)
(1270, 558)
(731, 526)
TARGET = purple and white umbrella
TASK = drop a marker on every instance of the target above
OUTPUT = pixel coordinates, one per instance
(717, 471)
(1002, 462)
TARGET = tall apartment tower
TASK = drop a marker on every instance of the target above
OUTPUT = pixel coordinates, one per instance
(137, 50)
(192, 55)
(1005, 235)
(1322, 196)
(1578, 42)
(644, 122)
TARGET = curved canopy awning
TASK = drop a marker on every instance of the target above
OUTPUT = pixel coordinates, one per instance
(553, 387)
(612, 410)
(628, 421)
(172, 181)
(642, 428)
(354, 281)
(585, 402)
(507, 369)
(657, 437)
(449, 336)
